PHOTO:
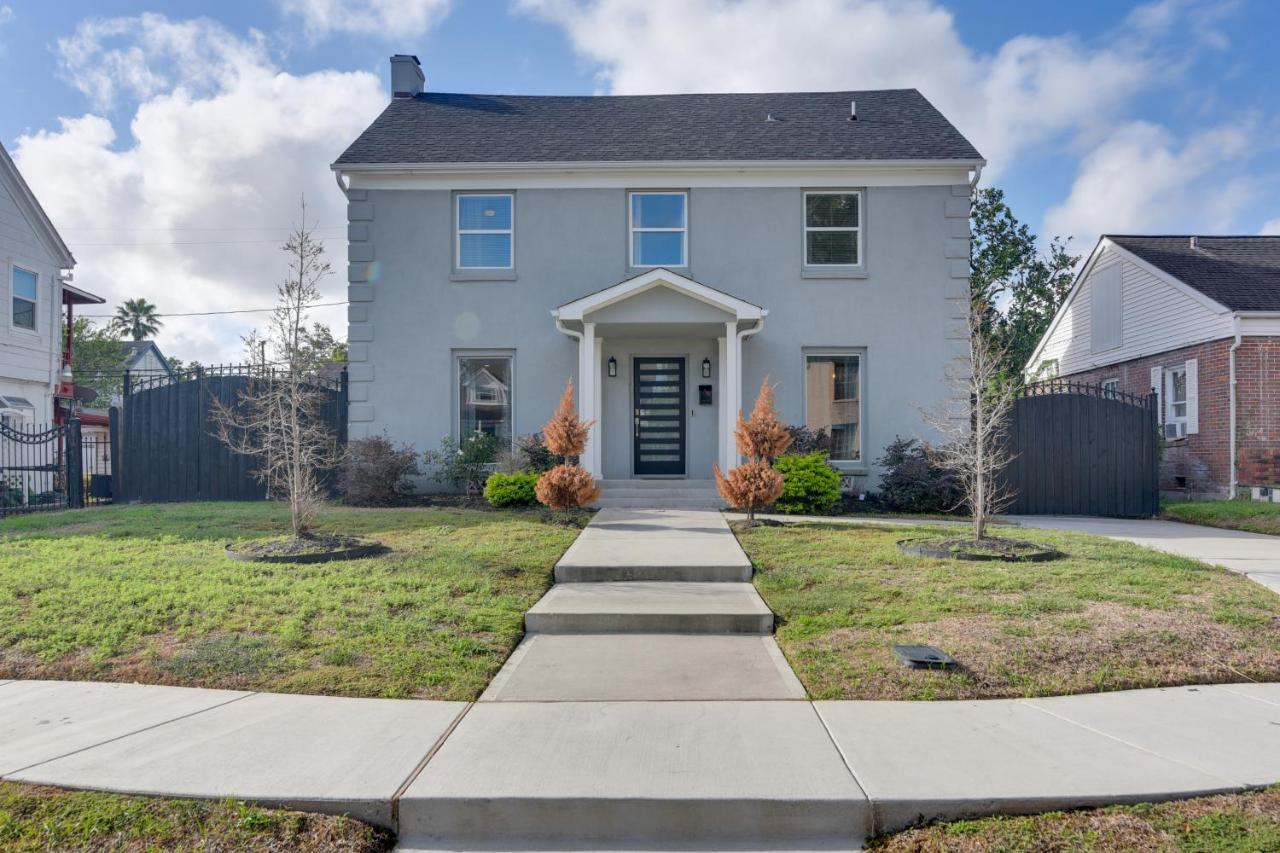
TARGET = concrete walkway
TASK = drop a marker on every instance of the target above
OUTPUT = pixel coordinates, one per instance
(1254, 555)
(649, 604)
(779, 775)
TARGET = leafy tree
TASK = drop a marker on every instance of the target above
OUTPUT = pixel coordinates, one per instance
(137, 318)
(1008, 266)
(97, 359)
(324, 346)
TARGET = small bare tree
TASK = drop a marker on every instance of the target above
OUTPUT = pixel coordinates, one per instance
(975, 424)
(277, 419)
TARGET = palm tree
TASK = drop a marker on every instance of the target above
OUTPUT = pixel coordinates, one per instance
(137, 318)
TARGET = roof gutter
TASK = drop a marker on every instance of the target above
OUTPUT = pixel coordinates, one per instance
(1231, 404)
(664, 165)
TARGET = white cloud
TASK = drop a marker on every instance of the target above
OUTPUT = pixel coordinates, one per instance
(6, 14)
(1143, 180)
(221, 145)
(1270, 227)
(1030, 91)
(390, 18)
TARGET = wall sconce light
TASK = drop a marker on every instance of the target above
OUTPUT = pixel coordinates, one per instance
(613, 366)
(706, 368)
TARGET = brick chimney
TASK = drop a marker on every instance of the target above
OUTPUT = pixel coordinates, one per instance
(407, 78)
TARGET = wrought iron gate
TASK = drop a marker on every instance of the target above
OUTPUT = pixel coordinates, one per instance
(52, 467)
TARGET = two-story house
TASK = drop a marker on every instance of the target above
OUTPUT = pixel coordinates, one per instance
(37, 296)
(666, 252)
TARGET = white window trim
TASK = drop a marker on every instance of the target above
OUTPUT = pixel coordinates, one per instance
(34, 329)
(458, 356)
(1170, 418)
(804, 234)
(459, 231)
(860, 353)
(632, 229)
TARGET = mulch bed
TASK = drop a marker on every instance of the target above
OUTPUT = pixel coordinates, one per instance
(990, 548)
(311, 549)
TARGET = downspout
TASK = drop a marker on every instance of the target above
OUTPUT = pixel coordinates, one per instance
(1231, 405)
(746, 333)
(977, 174)
(337, 176)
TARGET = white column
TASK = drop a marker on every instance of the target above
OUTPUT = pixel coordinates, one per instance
(596, 446)
(725, 432)
(733, 389)
(588, 367)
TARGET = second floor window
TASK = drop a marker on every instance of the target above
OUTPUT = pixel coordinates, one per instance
(24, 298)
(659, 229)
(832, 229)
(486, 232)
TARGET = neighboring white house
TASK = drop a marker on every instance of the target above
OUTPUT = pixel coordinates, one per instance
(35, 265)
(1196, 319)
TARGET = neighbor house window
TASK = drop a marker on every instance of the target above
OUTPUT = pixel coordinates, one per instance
(1110, 388)
(484, 401)
(1176, 381)
(832, 229)
(833, 401)
(486, 231)
(659, 229)
(24, 298)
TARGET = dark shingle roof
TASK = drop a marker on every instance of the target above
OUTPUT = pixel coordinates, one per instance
(897, 124)
(1240, 273)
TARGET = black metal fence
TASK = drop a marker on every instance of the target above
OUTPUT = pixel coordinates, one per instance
(63, 466)
(1084, 450)
(169, 449)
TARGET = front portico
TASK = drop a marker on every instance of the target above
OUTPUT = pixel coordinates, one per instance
(656, 334)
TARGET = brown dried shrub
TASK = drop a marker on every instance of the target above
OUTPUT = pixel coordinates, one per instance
(566, 434)
(751, 486)
(761, 438)
(566, 487)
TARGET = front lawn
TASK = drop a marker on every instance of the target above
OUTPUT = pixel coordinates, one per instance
(1109, 616)
(145, 593)
(38, 818)
(1230, 823)
(1253, 516)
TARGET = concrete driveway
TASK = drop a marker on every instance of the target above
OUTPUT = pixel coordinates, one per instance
(1254, 555)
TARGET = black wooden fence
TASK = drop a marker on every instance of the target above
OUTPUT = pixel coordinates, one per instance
(1084, 450)
(169, 447)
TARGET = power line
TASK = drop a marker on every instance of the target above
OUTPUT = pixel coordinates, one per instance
(201, 228)
(213, 313)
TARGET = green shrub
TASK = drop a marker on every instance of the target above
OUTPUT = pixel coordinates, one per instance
(502, 490)
(809, 485)
(916, 480)
(464, 464)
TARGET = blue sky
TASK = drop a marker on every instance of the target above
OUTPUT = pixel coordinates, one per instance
(171, 141)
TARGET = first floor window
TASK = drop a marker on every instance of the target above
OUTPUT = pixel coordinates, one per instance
(484, 388)
(833, 402)
(486, 231)
(832, 229)
(1110, 387)
(24, 298)
(1177, 390)
(659, 229)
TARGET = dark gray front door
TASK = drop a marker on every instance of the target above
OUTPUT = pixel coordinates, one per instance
(658, 434)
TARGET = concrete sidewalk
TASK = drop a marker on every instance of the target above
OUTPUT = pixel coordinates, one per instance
(1254, 555)
(780, 775)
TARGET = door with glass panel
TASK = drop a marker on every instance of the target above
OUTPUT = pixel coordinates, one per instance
(658, 432)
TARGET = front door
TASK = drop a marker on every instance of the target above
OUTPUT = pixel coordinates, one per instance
(658, 416)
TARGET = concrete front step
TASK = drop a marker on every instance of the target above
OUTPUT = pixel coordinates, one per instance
(656, 485)
(635, 775)
(728, 573)
(659, 502)
(650, 607)
(631, 667)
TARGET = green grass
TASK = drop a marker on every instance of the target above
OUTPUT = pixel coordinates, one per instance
(1108, 616)
(1253, 516)
(1232, 823)
(41, 819)
(145, 593)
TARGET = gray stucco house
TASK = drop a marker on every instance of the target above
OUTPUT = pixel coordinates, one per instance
(666, 252)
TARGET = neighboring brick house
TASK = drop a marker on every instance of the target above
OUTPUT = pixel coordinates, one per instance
(1197, 319)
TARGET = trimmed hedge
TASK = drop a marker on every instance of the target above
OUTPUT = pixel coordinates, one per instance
(809, 485)
(504, 490)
